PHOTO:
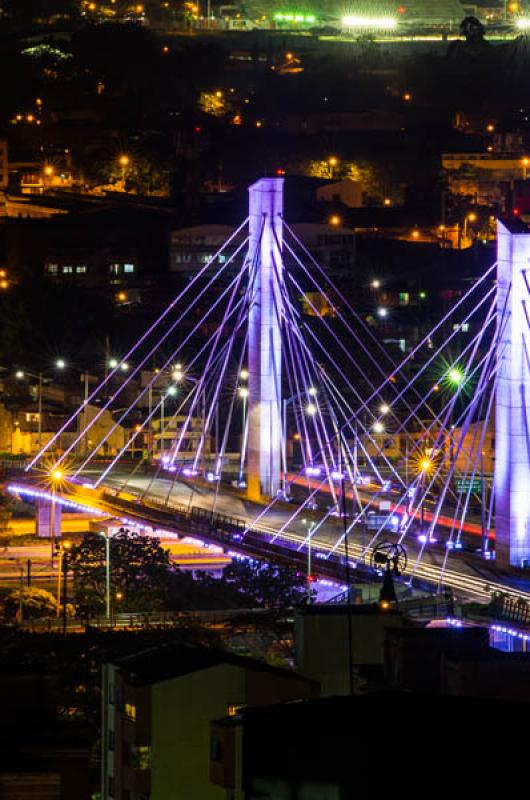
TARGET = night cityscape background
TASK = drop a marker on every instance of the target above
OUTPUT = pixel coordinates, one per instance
(264, 369)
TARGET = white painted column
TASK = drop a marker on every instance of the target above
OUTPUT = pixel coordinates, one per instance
(264, 339)
(512, 413)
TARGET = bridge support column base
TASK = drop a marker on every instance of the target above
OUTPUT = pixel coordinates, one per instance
(48, 519)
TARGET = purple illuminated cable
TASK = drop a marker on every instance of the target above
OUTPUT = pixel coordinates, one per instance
(168, 421)
(437, 471)
(148, 356)
(298, 511)
(377, 391)
(441, 348)
(220, 377)
(296, 396)
(124, 449)
(248, 265)
(224, 442)
(306, 378)
(412, 513)
(135, 347)
(357, 339)
(118, 422)
(348, 327)
(437, 418)
(348, 422)
(140, 365)
(201, 384)
(163, 429)
(147, 387)
(309, 378)
(356, 316)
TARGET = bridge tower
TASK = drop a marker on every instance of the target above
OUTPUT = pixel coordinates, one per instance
(512, 411)
(264, 339)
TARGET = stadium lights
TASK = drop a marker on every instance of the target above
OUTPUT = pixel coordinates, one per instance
(378, 23)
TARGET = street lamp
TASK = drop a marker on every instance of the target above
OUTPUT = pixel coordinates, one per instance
(106, 536)
(39, 376)
(56, 477)
(332, 163)
(124, 162)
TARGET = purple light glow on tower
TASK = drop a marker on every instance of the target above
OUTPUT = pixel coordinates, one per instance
(264, 338)
(512, 414)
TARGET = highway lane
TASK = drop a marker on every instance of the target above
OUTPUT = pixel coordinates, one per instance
(467, 574)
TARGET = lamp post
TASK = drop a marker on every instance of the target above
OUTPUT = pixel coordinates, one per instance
(62, 570)
(56, 477)
(106, 536)
(124, 162)
(39, 376)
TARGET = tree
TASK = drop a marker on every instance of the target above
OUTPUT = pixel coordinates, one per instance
(139, 567)
(36, 603)
(266, 585)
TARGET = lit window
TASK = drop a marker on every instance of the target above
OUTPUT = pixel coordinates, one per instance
(80, 270)
(232, 709)
(128, 267)
(53, 269)
(222, 259)
(67, 270)
(130, 711)
(140, 757)
(404, 298)
(115, 269)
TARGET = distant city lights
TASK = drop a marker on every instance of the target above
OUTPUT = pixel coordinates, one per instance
(294, 16)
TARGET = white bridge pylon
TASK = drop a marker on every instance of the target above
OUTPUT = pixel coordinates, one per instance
(265, 338)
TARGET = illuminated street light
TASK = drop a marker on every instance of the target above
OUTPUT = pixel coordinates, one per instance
(455, 376)
(311, 409)
(124, 161)
(113, 363)
(312, 391)
(172, 391)
(57, 475)
(384, 409)
(378, 427)
(335, 220)
(178, 373)
(243, 392)
(243, 374)
(426, 465)
(124, 366)
(19, 374)
(382, 312)
(376, 284)
(60, 363)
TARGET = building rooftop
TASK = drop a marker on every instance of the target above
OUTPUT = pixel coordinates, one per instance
(163, 663)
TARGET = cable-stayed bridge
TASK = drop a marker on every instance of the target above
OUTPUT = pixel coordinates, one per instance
(306, 432)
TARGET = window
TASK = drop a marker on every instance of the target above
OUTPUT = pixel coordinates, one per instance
(233, 709)
(115, 269)
(67, 270)
(80, 270)
(222, 259)
(52, 269)
(128, 267)
(140, 757)
(130, 711)
(404, 298)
